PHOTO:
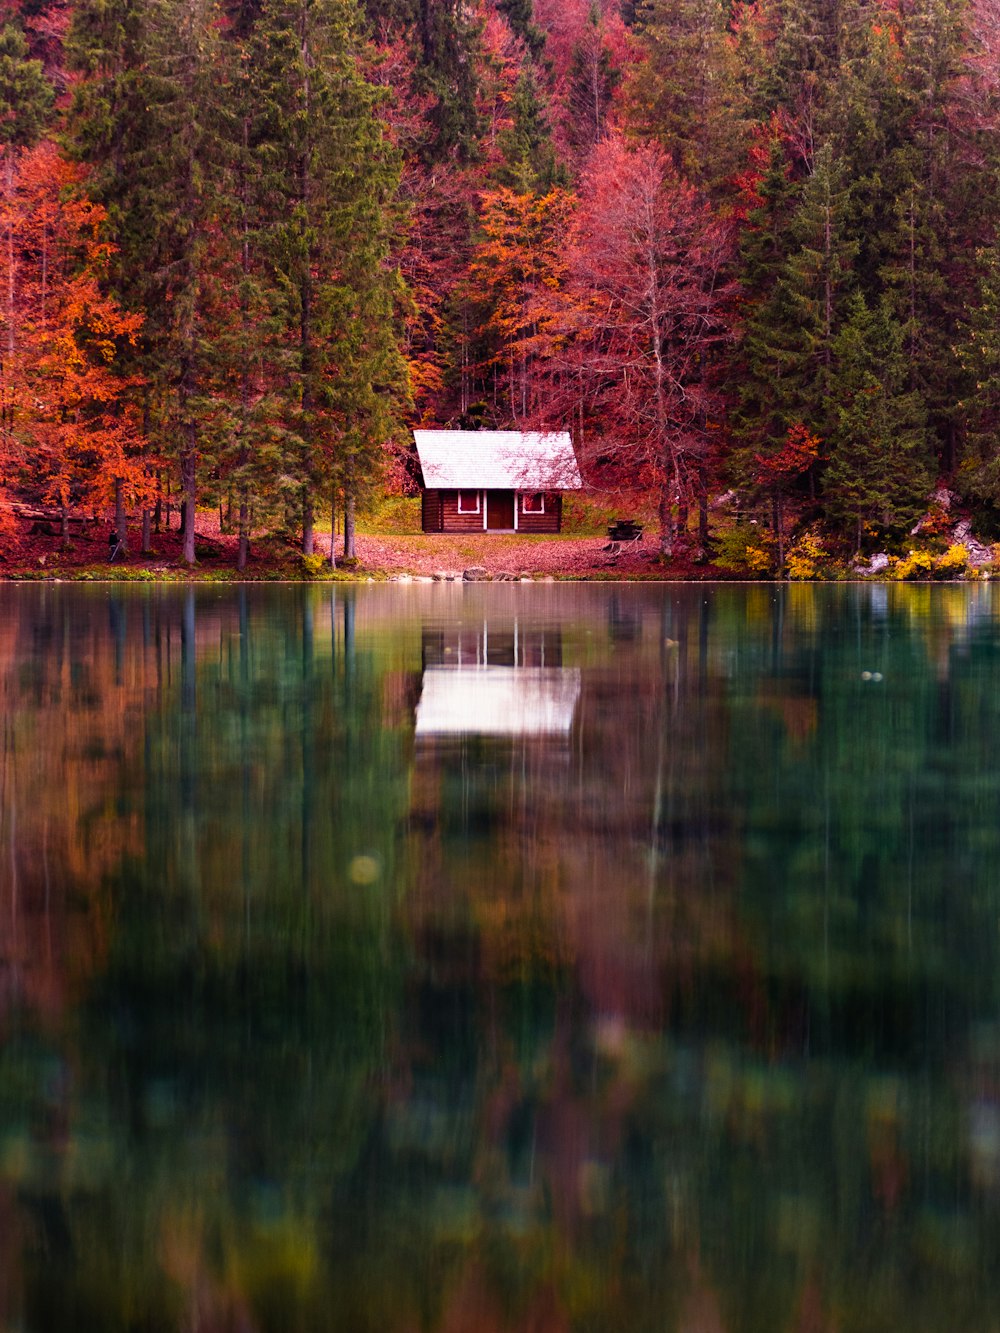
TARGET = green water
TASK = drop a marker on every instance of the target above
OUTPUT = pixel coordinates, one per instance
(490, 958)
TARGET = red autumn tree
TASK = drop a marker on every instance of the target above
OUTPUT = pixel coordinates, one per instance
(67, 437)
(780, 471)
(643, 314)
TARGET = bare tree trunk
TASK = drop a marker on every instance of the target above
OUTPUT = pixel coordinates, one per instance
(121, 530)
(349, 549)
(666, 515)
(244, 546)
(333, 530)
(189, 491)
(147, 531)
(703, 533)
(308, 526)
(778, 526)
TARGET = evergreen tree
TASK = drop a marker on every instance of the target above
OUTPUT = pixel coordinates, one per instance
(979, 475)
(327, 189)
(529, 159)
(26, 95)
(685, 93)
(878, 472)
(520, 16)
(806, 253)
(910, 199)
(149, 117)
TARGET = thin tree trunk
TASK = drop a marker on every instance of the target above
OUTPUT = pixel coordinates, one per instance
(244, 547)
(189, 491)
(703, 533)
(333, 530)
(349, 550)
(779, 534)
(308, 526)
(121, 530)
(147, 530)
(666, 516)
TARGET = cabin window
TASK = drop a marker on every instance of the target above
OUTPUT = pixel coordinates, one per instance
(468, 502)
(533, 503)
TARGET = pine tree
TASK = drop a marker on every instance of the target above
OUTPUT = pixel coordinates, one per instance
(148, 117)
(529, 161)
(878, 472)
(979, 350)
(327, 190)
(806, 255)
(685, 92)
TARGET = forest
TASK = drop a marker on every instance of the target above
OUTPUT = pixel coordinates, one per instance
(740, 250)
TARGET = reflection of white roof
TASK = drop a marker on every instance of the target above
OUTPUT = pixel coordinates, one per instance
(503, 460)
(498, 701)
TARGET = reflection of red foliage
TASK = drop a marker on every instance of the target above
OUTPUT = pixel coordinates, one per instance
(476, 1304)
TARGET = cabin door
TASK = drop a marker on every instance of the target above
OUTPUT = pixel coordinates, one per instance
(499, 511)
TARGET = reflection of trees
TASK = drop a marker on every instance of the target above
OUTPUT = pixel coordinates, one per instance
(684, 1019)
(66, 738)
(225, 1082)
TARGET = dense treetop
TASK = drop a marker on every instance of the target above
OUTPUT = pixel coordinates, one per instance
(246, 246)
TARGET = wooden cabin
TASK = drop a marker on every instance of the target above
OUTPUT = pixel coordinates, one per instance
(495, 480)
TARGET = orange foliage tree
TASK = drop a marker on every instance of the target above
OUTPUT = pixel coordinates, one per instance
(519, 259)
(67, 438)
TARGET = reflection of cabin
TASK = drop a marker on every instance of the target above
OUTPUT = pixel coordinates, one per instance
(504, 681)
(500, 644)
(495, 480)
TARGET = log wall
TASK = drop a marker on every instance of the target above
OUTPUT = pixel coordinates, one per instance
(439, 513)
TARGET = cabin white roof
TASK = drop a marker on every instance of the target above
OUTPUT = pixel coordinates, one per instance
(498, 701)
(497, 460)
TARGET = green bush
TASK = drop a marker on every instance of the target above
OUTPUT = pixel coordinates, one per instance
(313, 564)
(745, 549)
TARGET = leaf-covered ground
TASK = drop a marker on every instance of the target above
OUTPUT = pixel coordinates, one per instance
(33, 549)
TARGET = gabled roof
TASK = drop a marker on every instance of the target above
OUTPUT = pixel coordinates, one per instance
(500, 460)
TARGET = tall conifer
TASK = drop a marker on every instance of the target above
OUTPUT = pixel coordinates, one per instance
(328, 179)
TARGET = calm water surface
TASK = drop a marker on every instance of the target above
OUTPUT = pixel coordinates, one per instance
(533, 958)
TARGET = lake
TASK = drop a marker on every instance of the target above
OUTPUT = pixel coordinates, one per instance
(492, 957)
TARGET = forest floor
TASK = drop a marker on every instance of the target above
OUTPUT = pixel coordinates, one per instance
(34, 551)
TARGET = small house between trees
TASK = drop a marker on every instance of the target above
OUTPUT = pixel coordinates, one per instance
(495, 480)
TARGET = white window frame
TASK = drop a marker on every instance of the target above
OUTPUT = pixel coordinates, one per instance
(479, 502)
(528, 495)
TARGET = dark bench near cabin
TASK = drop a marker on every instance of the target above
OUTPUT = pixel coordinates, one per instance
(625, 530)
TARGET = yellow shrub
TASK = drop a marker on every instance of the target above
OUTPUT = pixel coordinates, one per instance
(914, 565)
(806, 557)
(953, 563)
(757, 560)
